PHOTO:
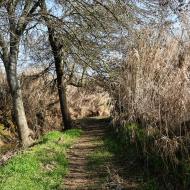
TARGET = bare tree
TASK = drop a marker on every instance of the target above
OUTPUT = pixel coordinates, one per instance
(59, 66)
(18, 14)
(78, 36)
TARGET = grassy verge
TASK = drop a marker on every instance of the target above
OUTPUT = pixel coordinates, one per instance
(41, 167)
(99, 160)
(107, 149)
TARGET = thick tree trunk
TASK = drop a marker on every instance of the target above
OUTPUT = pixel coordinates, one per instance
(20, 117)
(15, 89)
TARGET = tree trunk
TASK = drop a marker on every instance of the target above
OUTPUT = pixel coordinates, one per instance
(62, 96)
(56, 49)
(59, 65)
(20, 117)
(15, 89)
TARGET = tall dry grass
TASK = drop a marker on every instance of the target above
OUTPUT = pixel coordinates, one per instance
(154, 90)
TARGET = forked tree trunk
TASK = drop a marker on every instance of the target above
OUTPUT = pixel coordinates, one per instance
(15, 89)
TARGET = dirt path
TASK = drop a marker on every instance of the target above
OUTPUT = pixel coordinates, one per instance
(92, 167)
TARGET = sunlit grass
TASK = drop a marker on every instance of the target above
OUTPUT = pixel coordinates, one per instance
(41, 167)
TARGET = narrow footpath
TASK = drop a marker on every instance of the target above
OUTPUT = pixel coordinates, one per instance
(93, 166)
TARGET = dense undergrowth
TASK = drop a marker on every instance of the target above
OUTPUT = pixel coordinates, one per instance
(158, 171)
(41, 167)
(151, 87)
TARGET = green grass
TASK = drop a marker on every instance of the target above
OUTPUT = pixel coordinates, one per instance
(41, 167)
(108, 148)
(98, 158)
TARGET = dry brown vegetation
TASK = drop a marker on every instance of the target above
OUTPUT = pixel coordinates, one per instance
(42, 104)
(88, 103)
(154, 92)
(155, 82)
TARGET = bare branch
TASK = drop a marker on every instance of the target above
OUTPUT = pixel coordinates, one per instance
(26, 15)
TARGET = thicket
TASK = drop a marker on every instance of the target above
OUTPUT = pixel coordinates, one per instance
(152, 105)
